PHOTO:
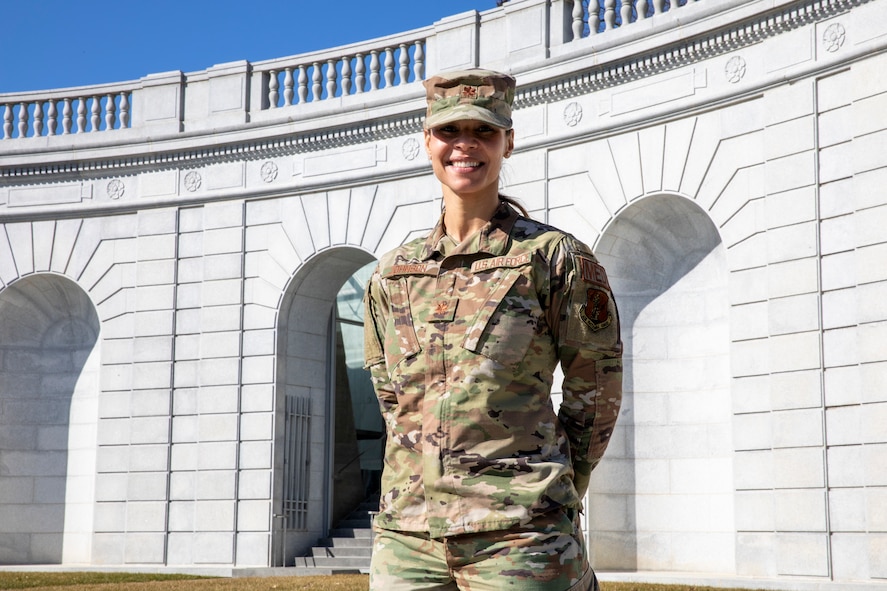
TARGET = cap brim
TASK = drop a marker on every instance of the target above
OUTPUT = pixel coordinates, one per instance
(462, 112)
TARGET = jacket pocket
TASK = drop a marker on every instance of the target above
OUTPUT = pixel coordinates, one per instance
(400, 334)
(504, 327)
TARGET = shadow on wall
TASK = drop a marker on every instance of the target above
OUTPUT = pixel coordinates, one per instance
(48, 331)
(649, 510)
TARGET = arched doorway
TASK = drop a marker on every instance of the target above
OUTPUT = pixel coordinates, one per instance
(327, 428)
(666, 499)
(49, 365)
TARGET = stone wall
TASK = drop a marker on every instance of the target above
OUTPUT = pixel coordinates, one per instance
(726, 163)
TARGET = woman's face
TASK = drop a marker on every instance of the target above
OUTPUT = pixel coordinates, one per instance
(466, 156)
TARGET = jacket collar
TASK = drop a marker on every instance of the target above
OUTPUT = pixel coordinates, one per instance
(493, 238)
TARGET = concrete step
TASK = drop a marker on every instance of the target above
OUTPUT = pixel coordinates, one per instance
(341, 552)
(362, 542)
(351, 532)
(349, 546)
(345, 562)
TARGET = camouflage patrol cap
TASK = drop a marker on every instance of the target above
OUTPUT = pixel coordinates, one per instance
(478, 94)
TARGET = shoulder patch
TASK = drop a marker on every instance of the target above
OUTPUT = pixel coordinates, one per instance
(596, 311)
(591, 272)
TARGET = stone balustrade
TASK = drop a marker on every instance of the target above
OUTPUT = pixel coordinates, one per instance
(244, 89)
(330, 74)
(86, 109)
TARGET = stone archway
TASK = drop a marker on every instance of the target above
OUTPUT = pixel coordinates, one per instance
(49, 365)
(666, 498)
(321, 463)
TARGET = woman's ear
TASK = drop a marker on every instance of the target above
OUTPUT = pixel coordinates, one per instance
(509, 142)
(427, 134)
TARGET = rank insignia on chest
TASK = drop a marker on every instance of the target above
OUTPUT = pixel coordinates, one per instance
(596, 313)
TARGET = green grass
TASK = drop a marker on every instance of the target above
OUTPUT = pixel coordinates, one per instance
(95, 581)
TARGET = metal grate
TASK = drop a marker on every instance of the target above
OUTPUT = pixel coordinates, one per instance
(296, 457)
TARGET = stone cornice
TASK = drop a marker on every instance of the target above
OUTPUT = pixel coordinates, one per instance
(679, 54)
(247, 150)
(282, 141)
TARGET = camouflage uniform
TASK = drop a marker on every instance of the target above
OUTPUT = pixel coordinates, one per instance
(462, 341)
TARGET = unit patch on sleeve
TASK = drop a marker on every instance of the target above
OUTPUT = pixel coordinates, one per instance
(596, 311)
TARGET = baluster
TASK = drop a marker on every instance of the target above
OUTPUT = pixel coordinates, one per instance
(419, 61)
(7, 122)
(316, 78)
(642, 9)
(594, 16)
(81, 115)
(23, 120)
(273, 85)
(658, 6)
(96, 113)
(288, 87)
(331, 78)
(124, 110)
(346, 76)
(389, 67)
(52, 117)
(360, 72)
(303, 85)
(404, 63)
(67, 120)
(374, 69)
(610, 15)
(110, 113)
(38, 119)
(627, 5)
(579, 18)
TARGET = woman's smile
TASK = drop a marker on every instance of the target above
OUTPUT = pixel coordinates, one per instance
(465, 165)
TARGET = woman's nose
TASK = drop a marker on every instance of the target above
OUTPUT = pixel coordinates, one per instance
(466, 140)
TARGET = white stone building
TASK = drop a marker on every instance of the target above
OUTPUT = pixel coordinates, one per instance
(173, 394)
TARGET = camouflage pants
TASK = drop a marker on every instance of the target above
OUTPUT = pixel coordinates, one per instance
(548, 554)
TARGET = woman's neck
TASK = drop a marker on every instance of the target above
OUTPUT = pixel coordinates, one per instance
(463, 217)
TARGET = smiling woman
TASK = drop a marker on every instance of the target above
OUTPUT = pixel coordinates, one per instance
(483, 478)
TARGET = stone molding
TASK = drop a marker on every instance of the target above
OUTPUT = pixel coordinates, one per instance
(377, 121)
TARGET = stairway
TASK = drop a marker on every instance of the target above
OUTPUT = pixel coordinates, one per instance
(348, 548)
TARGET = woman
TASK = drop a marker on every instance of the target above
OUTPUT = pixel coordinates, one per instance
(483, 478)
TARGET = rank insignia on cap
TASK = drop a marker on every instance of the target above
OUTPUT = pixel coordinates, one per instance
(595, 313)
(469, 92)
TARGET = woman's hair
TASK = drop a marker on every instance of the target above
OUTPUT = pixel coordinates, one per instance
(515, 204)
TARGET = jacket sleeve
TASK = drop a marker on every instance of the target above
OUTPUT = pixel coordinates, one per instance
(585, 322)
(374, 328)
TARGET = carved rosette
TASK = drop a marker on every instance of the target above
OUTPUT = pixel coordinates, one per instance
(573, 114)
(410, 148)
(193, 181)
(735, 69)
(116, 188)
(269, 172)
(833, 37)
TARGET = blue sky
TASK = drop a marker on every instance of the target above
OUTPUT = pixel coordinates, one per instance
(61, 43)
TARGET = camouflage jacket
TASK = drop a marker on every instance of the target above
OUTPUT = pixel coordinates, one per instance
(462, 342)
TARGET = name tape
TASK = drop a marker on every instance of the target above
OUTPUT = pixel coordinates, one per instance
(592, 272)
(499, 262)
